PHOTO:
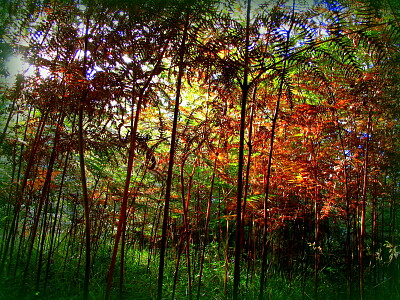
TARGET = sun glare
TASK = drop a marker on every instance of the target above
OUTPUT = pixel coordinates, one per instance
(15, 65)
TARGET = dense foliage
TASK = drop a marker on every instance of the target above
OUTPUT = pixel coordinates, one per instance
(208, 149)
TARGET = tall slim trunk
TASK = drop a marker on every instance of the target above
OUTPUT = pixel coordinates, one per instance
(45, 198)
(71, 236)
(219, 227)
(182, 50)
(14, 96)
(270, 155)
(363, 208)
(7, 225)
(122, 259)
(317, 215)
(153, 235)
(245, 91)
(20, 192)
(11, 233)
(248, 164)
(177, 263)
(348, 259)
(188, 234)
(184, 241)
(85, 204)
(124, 202)
(132, 147)
(246, 188)
(208, 213)
(374, 236)
(57, 218)
(81, 150)
(267, 185)
(226, 257)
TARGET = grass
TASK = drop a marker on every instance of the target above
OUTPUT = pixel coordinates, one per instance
(140, 282)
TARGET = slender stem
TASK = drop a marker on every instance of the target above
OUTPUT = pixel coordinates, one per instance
(363, 208)
(268, 175)
(171, 159)
(245, 91)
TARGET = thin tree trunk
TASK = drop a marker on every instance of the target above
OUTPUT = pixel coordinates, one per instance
(267, 185)
(181, 67)
(20, 191)
(374, 249)
(81, 151)
(21, 244)
(265, 210)
(85, 204)
(42, 241)
(250, 148)
(270, 155)
(153, 235)
(187, 232)
(185, 237)
(57, 218)
(124, 202)
(316, 239)
(246, 187)
(132, 147)
(72, 234)
(245, 91)
(7, 226)
(122, 261)
(15, 95)
(45, 198)
(178, 260)
(226, 256)
(219, 227)
(363, 208)
(348, 259)
(13, 229)
(208, 213)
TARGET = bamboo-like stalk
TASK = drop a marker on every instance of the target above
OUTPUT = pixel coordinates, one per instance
(57, 219)
(82, 166)
(131, 154)
(208, 216)
(243, 105)
(363, 207)
(45, 197)
(182, 51)
(270, 157)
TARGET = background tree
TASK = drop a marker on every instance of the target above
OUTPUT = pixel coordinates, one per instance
(146, 99)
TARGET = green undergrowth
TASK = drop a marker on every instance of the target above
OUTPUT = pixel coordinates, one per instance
(65, 281)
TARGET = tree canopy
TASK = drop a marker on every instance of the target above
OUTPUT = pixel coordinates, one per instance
(180, 149)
